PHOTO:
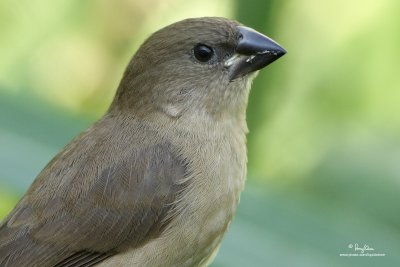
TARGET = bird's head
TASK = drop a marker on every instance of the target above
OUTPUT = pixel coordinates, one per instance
(201, 65)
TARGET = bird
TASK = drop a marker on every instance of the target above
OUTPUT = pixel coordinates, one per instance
(157, 179)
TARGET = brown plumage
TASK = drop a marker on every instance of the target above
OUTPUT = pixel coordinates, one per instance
(156, 181)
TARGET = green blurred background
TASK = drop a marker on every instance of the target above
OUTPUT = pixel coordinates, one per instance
(324, 142)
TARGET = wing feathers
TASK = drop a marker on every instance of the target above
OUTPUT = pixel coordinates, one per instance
(123, 207)
(83, 259)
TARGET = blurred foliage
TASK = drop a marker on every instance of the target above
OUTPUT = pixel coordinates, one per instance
(324, 120)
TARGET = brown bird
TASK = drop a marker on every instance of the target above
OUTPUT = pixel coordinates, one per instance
(156, 180)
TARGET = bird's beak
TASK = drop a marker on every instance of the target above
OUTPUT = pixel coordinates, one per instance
(253, 52)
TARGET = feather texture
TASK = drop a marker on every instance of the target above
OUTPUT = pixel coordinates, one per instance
(95, 206)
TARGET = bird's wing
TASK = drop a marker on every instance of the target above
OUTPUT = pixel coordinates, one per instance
(124, 206)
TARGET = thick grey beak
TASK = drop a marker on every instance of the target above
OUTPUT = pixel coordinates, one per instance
(253, 52)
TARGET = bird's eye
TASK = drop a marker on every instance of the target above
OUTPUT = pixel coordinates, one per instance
(203, 53)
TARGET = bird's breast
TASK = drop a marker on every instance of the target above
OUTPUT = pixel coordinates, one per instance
(217, 173)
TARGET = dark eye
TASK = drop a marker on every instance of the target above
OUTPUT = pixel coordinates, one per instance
(203, 53)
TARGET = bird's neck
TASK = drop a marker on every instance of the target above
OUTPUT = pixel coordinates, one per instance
(201, 125)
